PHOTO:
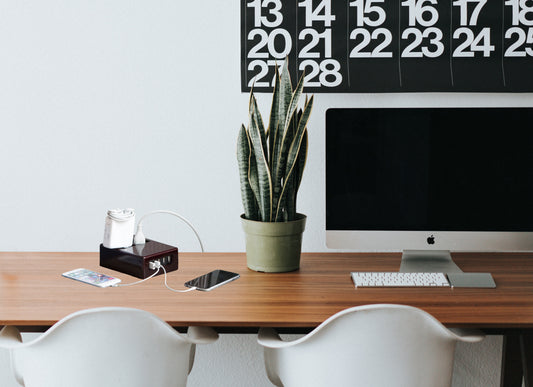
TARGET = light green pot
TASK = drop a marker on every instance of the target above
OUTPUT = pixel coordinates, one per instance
(274, 247)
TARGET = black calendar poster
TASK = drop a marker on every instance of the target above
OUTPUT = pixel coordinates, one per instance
(389, 45)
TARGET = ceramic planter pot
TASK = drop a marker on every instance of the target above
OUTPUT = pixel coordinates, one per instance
(274, 247)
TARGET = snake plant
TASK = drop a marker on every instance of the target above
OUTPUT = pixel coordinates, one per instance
(272, 159)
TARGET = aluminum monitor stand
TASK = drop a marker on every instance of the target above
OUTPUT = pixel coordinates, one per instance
(428, 261)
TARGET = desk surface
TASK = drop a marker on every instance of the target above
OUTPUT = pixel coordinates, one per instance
(33, 293)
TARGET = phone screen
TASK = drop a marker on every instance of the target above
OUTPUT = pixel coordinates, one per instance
(212, 280)
(91, 277)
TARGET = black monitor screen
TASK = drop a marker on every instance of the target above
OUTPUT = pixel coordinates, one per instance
(439, 169)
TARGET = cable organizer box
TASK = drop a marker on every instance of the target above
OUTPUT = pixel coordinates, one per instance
(135, 260)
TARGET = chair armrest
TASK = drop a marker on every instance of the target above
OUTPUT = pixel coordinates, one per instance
(10, 337)
(268, 337)
(468, 335)
(201, 335)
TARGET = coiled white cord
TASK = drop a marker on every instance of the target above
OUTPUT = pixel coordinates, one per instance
(121, 215)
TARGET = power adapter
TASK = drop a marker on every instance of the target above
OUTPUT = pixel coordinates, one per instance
(135, 260)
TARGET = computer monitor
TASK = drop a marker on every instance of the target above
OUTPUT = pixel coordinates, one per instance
(429, 181)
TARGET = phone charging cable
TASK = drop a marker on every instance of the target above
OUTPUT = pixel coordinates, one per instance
(138, 282)
(157, 266)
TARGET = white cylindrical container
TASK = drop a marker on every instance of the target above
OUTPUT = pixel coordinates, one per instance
(119, 228)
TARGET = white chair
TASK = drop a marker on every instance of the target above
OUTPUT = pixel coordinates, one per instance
(373, 345)
(106, 347)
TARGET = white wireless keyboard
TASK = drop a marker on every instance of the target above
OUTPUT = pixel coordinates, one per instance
(396, 279)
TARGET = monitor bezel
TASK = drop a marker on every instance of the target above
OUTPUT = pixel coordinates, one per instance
(454, 241)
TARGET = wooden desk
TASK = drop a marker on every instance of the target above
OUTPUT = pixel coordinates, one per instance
(34, 295)
(33, 292)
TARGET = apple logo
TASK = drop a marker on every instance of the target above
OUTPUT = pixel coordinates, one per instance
(431, 240)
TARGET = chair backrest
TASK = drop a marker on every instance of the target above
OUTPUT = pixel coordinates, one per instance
(106, 347)
(375, 345)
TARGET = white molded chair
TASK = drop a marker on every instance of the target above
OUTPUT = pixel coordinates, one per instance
(374, 345)
(106, 347)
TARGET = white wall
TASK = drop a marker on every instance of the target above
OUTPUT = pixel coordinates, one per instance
(137, 104)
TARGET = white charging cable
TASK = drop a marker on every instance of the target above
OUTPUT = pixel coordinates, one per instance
(138, 282)
(139, 237)
(157, 266)
(168, 287)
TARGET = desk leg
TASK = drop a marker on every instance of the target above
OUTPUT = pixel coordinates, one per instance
(526, 350)
(511, 375)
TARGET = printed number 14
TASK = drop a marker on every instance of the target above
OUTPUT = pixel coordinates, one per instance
(321, 13)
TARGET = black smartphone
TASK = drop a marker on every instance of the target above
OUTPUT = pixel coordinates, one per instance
(212, 280)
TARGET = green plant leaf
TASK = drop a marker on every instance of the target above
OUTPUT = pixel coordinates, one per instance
(295, 97)
(285, 94)
(273, 122)
(292, 157)
(301, 162)
(283, 101)
(254, 111)
(253, 180)
(286, 136)
(244, 155)
(259, 146)
(277, 155)
(296, 178)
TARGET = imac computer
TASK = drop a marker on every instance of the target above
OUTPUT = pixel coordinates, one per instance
(429, 181)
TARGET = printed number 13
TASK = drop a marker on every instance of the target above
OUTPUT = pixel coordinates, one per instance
(259, 19)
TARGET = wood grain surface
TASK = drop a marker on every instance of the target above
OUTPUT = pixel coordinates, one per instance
(34, 294)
